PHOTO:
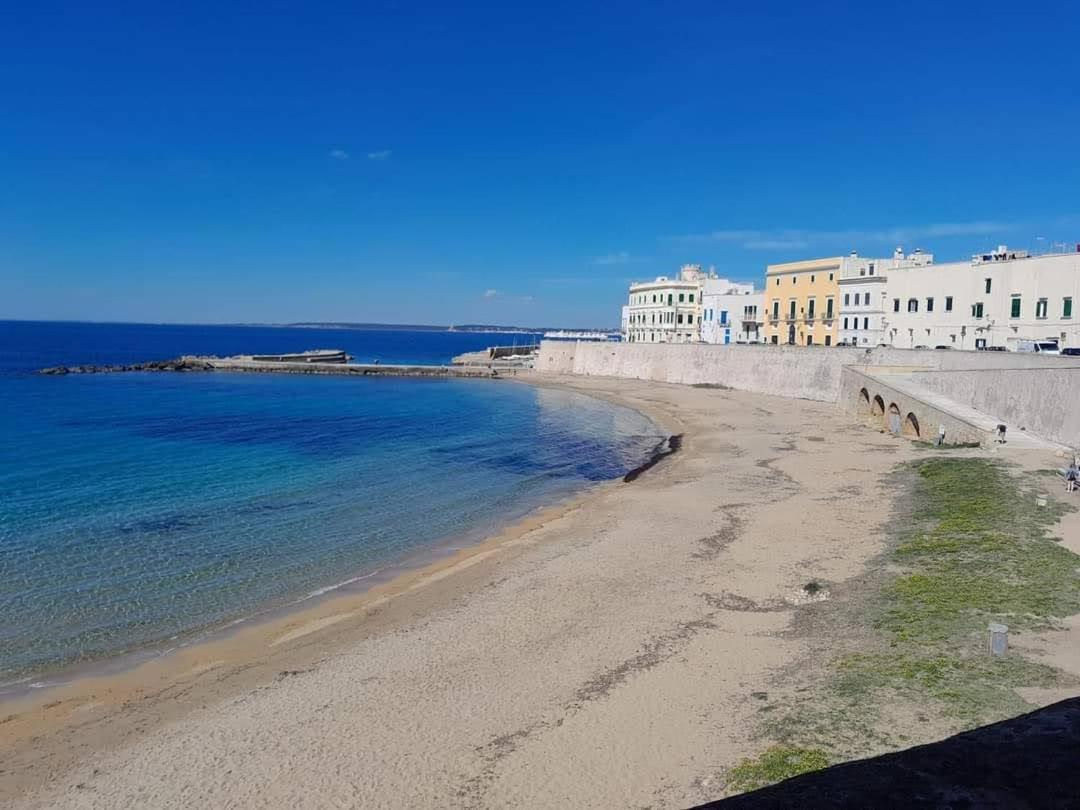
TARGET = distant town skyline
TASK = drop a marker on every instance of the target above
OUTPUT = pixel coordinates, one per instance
(506, 165)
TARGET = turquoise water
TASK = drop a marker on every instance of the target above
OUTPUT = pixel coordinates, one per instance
(140, 509)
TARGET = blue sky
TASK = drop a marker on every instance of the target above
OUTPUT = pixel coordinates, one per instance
(449, 163)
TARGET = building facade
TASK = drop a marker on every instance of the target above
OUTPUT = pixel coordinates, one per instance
(996, 299)
(666, 310)
(863, 296)
(801, 302)
(732, 314)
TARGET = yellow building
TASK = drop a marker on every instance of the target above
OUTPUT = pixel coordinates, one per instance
(802, 302)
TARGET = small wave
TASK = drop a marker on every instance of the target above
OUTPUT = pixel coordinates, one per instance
(328, 588)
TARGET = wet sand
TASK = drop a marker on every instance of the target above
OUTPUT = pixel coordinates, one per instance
(602, 653)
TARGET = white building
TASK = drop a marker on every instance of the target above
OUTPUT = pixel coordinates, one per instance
(994, 300)
(863, 296)
(671, 310)
(731, 313)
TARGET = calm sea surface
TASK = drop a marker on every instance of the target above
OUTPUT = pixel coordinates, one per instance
(138, 510)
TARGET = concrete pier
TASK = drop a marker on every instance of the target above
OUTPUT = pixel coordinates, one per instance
(338, 369)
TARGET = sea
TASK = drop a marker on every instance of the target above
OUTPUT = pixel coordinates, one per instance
(141, 511)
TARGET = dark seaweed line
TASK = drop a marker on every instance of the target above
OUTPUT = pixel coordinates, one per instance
(659, 453)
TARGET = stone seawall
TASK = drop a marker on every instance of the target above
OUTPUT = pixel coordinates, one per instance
(1043, 401)
(786, 371)
(1036, 392)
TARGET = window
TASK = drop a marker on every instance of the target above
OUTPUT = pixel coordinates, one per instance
(809, 340)
(896, 305)
(777, 282)
(811, 279)
(855, 324)
(871, 268)
(929, 304)
(1040, 308)
(828, 308)
(865, 323)
(866, 299)
(689, 318)
(669, 299)
(776, 310)
(681, 297)
(723, 317)
(654, 298)
(691, 298)
(793, 279)
(948, 303)
(791, 310)
(810, 309)
(913, 305)
(830, 276)
(847, 299)
(828, 340)
(1015, 312)
(988, 286)
(845, 323)
(1066, 307)
(977, 310)
(680, 317)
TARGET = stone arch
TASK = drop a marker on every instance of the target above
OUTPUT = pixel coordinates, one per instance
(864, 401)
(911, 426)
(893, 419)
(877, 407)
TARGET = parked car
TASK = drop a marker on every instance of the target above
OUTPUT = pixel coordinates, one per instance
(1035, 346)
(921, 346)
(943, 346)
(1071, 351)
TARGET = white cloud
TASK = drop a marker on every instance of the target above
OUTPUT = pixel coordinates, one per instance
(797, 238)
(339, 154)
(622, 257)
(381, 154)
(491, 293)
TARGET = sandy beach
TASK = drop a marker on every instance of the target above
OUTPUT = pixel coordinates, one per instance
(609, 652)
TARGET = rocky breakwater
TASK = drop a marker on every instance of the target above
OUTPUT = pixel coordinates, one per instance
(178, 364)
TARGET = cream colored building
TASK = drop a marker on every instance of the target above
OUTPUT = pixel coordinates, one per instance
(665, 310)
(997, 299)
(673, 310)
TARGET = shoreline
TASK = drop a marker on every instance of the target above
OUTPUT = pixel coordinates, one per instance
(615, 651)
(428, 575)
(391, 577)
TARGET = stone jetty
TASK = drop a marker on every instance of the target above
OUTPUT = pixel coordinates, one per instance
(248, 364)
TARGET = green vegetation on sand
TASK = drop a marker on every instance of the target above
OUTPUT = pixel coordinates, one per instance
(970, 546)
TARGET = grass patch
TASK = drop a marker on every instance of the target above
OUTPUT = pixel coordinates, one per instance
(776, 764)
(969, 546)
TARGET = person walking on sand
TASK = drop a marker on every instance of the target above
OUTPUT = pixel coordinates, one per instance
(1071, 476)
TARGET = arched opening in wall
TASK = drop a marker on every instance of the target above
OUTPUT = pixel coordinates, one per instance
(911, 426)
(894, 419)
(877, 409)
(864, 402)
